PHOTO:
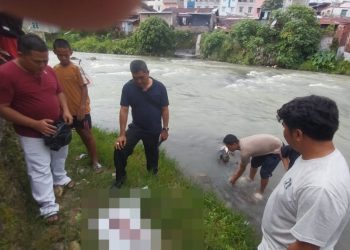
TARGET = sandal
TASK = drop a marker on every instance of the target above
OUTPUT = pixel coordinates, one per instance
(98, 168)
(70, 185)
(59, 190)
(52, 219)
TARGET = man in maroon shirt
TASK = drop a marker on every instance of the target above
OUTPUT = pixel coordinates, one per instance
(31, 98)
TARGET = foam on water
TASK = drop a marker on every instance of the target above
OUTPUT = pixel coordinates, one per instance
(321, 85)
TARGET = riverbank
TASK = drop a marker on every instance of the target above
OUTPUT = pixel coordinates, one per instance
(324, 62)
(223, 229)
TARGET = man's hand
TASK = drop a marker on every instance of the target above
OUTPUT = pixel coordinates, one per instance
(120, 142)
(232, 180)
(45, 127)
(67, 117)
(164, 135)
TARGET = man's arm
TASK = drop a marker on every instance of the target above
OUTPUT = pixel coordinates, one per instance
(123, 119)
(67, 117)
(238, 173)
(43, 126)
(165, 117)
(300, 245)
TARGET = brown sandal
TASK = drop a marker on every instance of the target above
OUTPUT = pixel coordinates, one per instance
(70, 185)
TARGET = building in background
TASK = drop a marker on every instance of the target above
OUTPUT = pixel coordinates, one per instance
(227, 7)
(189, 4)
(337, 10)
(245, 8)
(39, 28)
(287, 3)
(160, 5)
(207, 4)
(173, 4)
(156, 5)
(165, 15)
(129, 24)
(326, 1)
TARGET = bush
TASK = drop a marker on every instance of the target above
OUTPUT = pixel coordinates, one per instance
(185, 39)
(299, 35)
(258, 42)
(324, 61)
(155, 37)
(89, 44)
(307, 65)
(212, 43)
(342, 67)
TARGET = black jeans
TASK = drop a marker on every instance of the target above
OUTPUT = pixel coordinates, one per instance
(133, 136)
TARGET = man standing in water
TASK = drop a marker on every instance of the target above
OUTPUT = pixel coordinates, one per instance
(310, 207)
(149, 102)
(264, 150)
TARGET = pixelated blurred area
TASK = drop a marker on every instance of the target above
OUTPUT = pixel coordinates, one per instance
(143, 219)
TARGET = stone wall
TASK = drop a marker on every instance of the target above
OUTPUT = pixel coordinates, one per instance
(326, 42)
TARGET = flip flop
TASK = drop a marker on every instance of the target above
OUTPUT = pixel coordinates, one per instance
(70, 185)
(98, 168)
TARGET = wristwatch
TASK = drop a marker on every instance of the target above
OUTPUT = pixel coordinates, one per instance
(165, 129)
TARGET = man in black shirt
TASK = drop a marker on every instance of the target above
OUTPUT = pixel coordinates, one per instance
(149, 102)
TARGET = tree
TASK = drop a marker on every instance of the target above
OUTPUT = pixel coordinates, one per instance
(292, 36)
(299, 35)
(212, 43)
(155, 37)
(244, 31)
(257, 40)
(272, 4)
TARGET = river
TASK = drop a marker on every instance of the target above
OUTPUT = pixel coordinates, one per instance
(209, 100)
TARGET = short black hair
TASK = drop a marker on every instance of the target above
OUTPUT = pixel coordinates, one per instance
(61, 43)
(137, 66)
(230, 139)
(29, 42)
(316, 116)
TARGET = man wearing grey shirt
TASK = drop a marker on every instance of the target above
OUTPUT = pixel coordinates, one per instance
(310, 207)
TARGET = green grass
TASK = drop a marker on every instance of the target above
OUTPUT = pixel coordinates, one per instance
(21, 228)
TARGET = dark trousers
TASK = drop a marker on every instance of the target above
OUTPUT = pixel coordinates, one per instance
(133, 136)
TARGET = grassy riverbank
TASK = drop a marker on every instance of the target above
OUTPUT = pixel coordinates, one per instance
(21, 228)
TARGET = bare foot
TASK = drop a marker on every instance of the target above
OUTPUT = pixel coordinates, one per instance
(258, 196)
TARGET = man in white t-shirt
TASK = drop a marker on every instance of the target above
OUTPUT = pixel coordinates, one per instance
(263, 150)
(310, 207)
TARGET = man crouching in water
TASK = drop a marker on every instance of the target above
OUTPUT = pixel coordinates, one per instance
(264, 150)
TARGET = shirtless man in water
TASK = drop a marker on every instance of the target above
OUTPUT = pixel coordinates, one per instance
(262, 149)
